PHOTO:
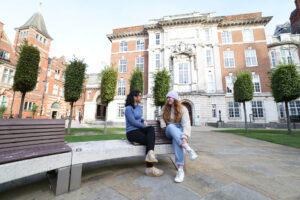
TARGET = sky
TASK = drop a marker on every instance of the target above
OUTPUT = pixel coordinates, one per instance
(79, 27)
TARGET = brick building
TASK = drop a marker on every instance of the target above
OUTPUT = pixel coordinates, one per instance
(49, 92)
(203, 53)
(295, 18)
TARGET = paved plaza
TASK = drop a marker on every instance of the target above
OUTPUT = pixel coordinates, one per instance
(229, 167)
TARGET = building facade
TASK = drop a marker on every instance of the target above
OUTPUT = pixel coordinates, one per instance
(295, 19)
(203, 53)
(48, 94)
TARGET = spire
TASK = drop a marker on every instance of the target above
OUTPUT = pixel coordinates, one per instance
(36, 21)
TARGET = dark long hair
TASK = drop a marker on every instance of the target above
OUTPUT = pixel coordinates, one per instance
(130, 99)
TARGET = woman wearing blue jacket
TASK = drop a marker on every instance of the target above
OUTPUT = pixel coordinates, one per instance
(138, 131)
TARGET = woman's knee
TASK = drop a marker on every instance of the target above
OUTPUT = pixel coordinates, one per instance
(171, 128)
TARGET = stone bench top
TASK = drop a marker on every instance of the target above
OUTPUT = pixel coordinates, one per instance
(84, 152)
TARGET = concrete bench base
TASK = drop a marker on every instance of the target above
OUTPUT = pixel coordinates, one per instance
(85, 152)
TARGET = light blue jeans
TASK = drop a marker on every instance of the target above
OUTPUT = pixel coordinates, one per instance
(174, 132)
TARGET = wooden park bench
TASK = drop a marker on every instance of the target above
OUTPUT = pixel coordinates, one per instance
(86, 152)
(32, 146)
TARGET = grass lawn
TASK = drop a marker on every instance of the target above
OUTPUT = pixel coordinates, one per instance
(96, 130)
(85, 138)
(275, 136)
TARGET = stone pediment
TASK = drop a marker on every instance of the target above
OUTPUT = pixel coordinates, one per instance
(183, 48)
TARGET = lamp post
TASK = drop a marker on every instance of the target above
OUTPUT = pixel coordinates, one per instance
(220, 119)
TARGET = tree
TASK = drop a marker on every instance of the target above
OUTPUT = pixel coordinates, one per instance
(34, 109)
(74, 79)
(109, 77)
(243, 91)
(137, 80)
(2, 110)
(26, 74)
(285, 85)
(162, 81)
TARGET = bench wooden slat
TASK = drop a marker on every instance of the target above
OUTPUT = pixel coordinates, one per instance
(8, 136)
(17, 141)
(30, 143)
(17, 148)
(39, 126)
(30, 131)
(21, 154)
(26, 122)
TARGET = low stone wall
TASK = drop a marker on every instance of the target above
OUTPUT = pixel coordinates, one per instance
(273, 125)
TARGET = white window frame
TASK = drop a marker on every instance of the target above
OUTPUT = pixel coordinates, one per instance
(226, 37)
(286, 56)
(207, 34)
(123, 46)
(229, 61)
(157, 60)
(248, 35)
(89, 95)
(256, 83)
(184, 73)
(57, 73)
(251, 59)
(211, 84)
(281, 110)
(234, 110)
(55, 89)
(214, 110)
(3, 100)
(46, 87)
(10, 76)
(257, 109)
(121, 110)
(5, 75)
(61, 91)
(140, 45)
(294, 107)
(209, 57)
(121, 88)
(229, 84)
(139, 63)
(122, 65)
(273, 59)
(157, 38)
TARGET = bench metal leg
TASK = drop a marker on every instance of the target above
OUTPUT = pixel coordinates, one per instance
(59, 180)
(75, 178)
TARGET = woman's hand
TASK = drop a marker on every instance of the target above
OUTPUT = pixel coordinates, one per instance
(145, 122)
(184, 142)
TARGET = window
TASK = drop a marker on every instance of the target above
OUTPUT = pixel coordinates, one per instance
(123, 46)
(48, 73)
(157, 59)
(211, 83)
(207, 34)
(214, 111)
(61, 92)
(46, 87)
(229, 59)
(37, 83)
(256, 83)
(37, 36)
(63, 76)
(157, 38)
(281, 110)
(5, 75)
(89, 95)
(55, 89)
(140, 45)
(122, 65)
(286, 56)
(3, 100)
(28, 105)
(273, 59)
(10, 76)
(4, 54)
(121, 88)
(44, 41)
(285, 37)
(234, 109)
(229, 84)
(121, 108)
(57, 72)
(257, 109)
(209, 58)
(248, 35)
(294, 107)
(41, 38)
(251, 57)
(226, 37)
(139, 62)
(184, 73)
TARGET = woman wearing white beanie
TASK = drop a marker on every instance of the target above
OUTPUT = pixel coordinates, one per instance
(175, 121)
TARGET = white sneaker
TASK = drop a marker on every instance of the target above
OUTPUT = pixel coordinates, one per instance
(192, 154)
(179, 176)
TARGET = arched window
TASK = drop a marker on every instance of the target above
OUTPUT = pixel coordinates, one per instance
(3, 100)
(55, 106)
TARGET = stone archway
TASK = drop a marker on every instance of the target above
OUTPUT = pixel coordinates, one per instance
(100, 110)
(189, 108)
(55, 107)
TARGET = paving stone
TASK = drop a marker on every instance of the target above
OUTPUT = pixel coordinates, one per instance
(235, 191)
(107, 194)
